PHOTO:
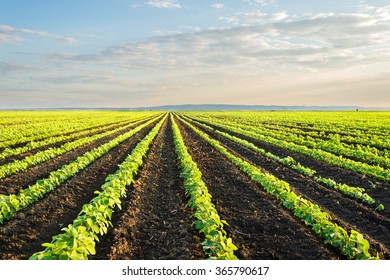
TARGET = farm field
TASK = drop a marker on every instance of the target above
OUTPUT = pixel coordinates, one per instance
(194, 185)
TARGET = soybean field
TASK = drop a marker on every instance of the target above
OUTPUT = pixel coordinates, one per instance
(192, 185)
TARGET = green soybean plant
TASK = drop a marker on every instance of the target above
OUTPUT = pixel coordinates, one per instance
(216, 244)
(78, 240)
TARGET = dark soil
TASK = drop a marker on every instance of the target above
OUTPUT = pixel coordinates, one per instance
(259, 226)
(154, 222)
(23, 235)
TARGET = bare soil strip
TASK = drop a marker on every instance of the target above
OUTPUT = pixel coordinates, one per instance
(23, 235)
(379, 190)
(154, 222)
(345, 211)
(22, 180)
(259, 226)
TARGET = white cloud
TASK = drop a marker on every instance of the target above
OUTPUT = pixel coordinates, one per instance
(8, 38)
(163, 32)
(363, 8)
(9, 34)
(218, 6)
(260, 2)
(167, 4)
(230, 19)
(279, 16)
(253, 18)
(338, 30)
(319, 41)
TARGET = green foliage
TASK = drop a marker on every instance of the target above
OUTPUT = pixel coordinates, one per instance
(353, 192)
(11, 168)
(371, 164)
(71, 135)
(34, 129)
(380, 207)
(354, 246)
(79, 238)
(216, 244)
(13, 203)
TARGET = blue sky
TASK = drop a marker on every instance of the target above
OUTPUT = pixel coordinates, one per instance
(123, 53)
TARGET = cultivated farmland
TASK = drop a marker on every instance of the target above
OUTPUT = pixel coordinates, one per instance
(194, 185)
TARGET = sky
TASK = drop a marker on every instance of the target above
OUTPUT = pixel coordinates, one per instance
(122, 53)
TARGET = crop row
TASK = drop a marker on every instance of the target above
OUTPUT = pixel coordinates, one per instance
(216, 244)
(353, 192)
(11, 168)
(360, 167)
(60, 124)
(368, 130)
(8, 152)
(362, 141)
(333, 145)
(78, 240)
(354, 124)
(10, 204)
(353, 244)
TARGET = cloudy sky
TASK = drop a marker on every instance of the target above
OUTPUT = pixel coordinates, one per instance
(123, 53)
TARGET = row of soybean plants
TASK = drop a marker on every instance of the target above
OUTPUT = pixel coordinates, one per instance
(313, 127)
(216, 244)
(352, 244)
(367, 139)
(342, 123)
(361, 140)
(10, 204)
(24, 127)
(333, 144)
(16, 166)
(78, 239)
(354, 192)
(374, 171)
(32, 117)
(50, 140)
(21, 127)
